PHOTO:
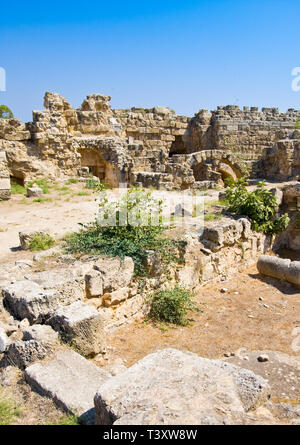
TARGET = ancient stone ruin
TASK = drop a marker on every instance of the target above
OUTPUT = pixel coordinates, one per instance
(58, 311)
(149, 147)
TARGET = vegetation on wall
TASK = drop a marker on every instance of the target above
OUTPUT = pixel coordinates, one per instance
(122, 237)
(259, 205)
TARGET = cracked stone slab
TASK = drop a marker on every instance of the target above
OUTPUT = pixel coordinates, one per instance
(70, 381)
(170, 387)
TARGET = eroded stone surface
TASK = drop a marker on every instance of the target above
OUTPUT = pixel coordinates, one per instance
(70, 380)
(171, 387)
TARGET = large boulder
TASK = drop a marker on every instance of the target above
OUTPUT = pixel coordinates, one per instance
(170, 387)
(81, 326)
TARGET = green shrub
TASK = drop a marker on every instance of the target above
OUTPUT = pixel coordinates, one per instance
(259, 205)
(172, 306)
(41, 242)
(42, 183)
(17, 189)
(93, 184)
(8, 411)
(5, 112)
(297, 126)
(125, 240)
(71, 181)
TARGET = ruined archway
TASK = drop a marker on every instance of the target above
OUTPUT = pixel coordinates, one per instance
(98, 166)
(178, 147)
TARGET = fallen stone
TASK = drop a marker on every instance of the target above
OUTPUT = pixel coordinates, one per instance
(41, 333)
(283, 269)
(23, 353)
(115, 272)
(26, 299)
(70, 380)
(68, 282)
(46, 253)
(80, 325)
(24, 263)
(170, 387)
(4, 341)
(34, 191)
(116, 297)
(94, 284)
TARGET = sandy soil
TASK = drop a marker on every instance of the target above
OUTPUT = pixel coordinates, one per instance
(58, 217)
(255, 313)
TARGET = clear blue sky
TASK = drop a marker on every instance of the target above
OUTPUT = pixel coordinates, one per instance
(183, 54)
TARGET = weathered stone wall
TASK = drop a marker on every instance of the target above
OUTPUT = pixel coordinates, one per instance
(246, 133)
(150, 147)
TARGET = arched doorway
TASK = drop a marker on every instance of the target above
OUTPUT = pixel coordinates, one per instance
(106, 171)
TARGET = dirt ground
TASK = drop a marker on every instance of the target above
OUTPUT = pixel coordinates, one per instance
(254, 312)
(59, 216)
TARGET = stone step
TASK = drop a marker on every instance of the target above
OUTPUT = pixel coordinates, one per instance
(70, 381)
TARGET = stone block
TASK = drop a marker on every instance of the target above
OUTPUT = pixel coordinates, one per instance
(26, 299)
(170, 387)
(81, 326)
(70, 381)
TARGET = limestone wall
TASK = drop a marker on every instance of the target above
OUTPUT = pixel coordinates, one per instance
(150, 147)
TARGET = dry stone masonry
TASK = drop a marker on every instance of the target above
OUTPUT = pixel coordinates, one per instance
(150, 147)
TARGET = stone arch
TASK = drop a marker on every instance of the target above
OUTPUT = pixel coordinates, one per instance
(17, 176)
(212, 165)
(178, 146)
(227, 171)
(98, 166)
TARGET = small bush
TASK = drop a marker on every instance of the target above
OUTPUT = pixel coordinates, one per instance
(124, 240)
(71, 181)
(259, 205)
(42, 183)
(17, 189)
(172, 306)
(93, 184)
(41, 242)
(5, 112)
